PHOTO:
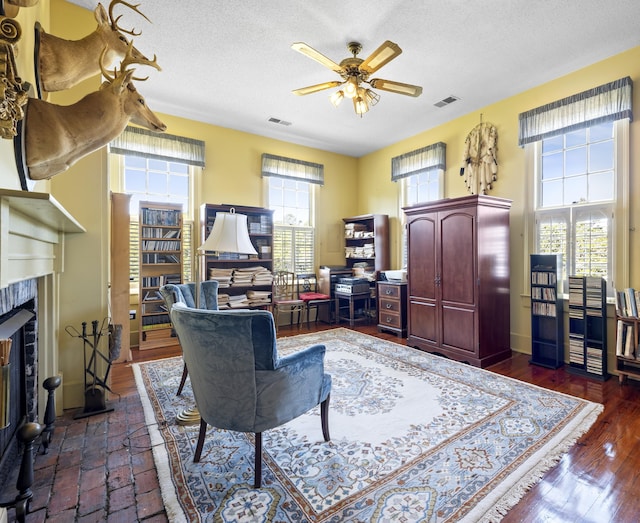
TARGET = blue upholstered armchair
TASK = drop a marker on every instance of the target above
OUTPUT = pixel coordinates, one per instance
(239, 381)
(186, 293)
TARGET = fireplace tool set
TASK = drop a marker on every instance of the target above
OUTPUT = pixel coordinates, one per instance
(97, 365)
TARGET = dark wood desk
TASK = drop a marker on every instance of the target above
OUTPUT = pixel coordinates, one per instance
(352, 299)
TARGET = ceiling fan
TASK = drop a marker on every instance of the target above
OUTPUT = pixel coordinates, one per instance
(355, 72)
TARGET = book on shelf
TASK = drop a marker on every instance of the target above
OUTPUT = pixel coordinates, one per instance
(152, 296)
(620, 332)
(626, 340)
(630, 299)
(629, 348)
(627, 302)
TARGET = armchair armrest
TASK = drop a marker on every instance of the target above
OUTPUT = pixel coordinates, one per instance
(309, 353)
(296, 385)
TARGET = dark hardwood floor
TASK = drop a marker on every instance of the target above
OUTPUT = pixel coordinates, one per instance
(596, 481)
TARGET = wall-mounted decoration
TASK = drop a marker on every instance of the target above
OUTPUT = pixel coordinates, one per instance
(61, 64)
(13, 92)
(480, 158)
(10, 8)
(57, 136)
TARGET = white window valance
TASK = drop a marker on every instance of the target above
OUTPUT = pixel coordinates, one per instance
(292, 169)
(159, 146)
(608, 102)
(426, 159)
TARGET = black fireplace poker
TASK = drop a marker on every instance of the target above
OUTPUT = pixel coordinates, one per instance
(95, 384)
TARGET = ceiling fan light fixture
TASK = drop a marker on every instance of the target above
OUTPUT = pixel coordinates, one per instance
(354, 72)
(371, 97)
(337, 97)
(351, 87)
(360, 105)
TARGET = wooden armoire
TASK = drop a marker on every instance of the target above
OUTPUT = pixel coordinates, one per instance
(458, 278)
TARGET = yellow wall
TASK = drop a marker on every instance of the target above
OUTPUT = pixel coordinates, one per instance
(352, 186)
(232, 176)
(378, 194)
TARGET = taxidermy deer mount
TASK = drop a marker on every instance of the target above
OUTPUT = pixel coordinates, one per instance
(12, 7)
(57, 136)
(61, 64)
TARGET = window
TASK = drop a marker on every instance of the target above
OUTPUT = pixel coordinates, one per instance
(293, 235)
(290, 188)
(575, 200)
(159, 168)
(157, 181)
(578, 160)
(146, 179)
(421, 174)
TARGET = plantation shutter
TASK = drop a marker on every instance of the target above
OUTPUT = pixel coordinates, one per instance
(293, 249)
(592, 242)
(303, 239)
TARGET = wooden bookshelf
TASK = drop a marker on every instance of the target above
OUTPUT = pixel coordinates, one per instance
(229, 268)
(160, 263)
(547, 329)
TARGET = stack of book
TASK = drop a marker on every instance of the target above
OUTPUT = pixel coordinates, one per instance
(222, 276)
(257, 298)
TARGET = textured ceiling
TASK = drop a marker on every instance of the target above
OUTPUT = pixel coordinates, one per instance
(230, 63)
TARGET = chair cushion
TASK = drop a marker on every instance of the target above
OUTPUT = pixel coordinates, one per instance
(308, 296)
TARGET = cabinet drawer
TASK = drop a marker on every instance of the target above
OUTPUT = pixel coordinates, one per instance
(389, 291)
(390, 319)
(388, 305)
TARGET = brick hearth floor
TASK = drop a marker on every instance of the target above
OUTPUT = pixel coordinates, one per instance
(98, 469)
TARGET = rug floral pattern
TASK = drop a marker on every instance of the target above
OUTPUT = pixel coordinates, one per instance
(414, 437)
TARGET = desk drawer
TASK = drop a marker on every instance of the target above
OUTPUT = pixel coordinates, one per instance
(390, 319)
(388, 291)
(387, 305)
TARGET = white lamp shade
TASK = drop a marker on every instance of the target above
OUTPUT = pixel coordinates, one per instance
(229, 234)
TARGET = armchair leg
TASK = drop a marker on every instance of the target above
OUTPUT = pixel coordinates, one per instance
(201, 435)
(324, 417)
(183, 380)
(257, 480)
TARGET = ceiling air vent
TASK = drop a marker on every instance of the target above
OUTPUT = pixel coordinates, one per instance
(446, 101)
(278, 121)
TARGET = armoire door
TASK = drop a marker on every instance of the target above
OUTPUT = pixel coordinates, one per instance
(458, 279)
(422, 286)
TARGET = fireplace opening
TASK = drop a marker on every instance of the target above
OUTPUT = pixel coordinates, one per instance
(18, 324)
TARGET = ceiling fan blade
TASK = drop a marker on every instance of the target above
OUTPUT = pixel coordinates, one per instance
(381, 56)
(396, 87)
(309, 51)
(315, 88)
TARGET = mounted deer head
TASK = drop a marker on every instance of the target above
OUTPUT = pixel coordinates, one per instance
(58, 136)
(61, 63)
(12, 7)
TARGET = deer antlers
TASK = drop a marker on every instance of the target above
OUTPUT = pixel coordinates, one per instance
(114, 21)
(128, 60)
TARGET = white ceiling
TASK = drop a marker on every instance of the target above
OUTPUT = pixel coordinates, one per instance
(230, 63)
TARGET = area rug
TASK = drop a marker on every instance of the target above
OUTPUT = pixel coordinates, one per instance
(414, 437)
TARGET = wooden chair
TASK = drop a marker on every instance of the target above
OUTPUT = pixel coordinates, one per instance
(308, 293)
(285, 298)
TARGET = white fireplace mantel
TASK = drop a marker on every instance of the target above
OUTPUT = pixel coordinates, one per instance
(32, 229)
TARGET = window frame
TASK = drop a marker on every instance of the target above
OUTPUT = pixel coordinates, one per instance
(117, 184)
(283, 226)
(403, 201)
(618, 209)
